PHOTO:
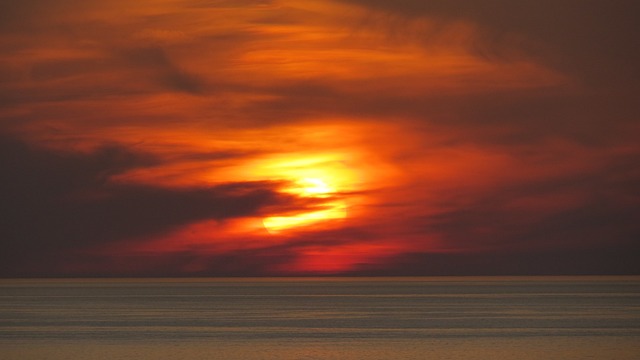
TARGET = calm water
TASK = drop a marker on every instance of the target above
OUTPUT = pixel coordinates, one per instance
(358, 318)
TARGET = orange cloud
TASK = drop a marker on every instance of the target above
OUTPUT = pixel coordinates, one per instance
(303, 136)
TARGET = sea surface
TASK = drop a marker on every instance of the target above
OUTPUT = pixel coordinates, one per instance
(515, 318)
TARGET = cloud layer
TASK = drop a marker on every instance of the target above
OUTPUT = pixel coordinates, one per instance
(152, 138)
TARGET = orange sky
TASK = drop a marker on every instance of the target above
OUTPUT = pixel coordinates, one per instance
(180, 137)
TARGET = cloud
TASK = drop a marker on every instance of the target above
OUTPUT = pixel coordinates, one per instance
(590, 38)
(236, 263)
(54, 202)
(602, 260)
(456, 129)
(164, 69)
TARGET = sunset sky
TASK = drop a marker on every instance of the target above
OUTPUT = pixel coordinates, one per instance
(304, 137)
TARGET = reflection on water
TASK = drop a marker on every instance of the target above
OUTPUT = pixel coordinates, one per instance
(330, 318)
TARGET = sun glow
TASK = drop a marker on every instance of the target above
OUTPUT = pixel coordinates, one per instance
(312, 188)
(321, 179)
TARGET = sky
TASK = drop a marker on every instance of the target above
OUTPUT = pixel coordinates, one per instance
(319, 137)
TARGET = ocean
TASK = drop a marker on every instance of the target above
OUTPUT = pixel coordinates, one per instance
(515, 318)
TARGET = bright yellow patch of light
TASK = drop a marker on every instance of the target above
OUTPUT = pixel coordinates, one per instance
(275, 224)
(314, 187)
(315, 177)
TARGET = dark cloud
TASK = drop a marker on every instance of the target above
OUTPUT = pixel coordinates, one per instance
(594, 39)
(53, 202)
(595, 232)
(236, 263)
(603, 260)
(110, 73)
(31, 15)
(146, 62)
(163, 70)
(494, 226)
(202, 260)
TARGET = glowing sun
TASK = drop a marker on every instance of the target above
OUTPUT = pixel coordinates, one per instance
(314, 188)
(323, 179)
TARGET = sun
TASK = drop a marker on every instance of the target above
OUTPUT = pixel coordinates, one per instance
(318, 187)
(330, 181)
(314, 188)
(322, 179)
